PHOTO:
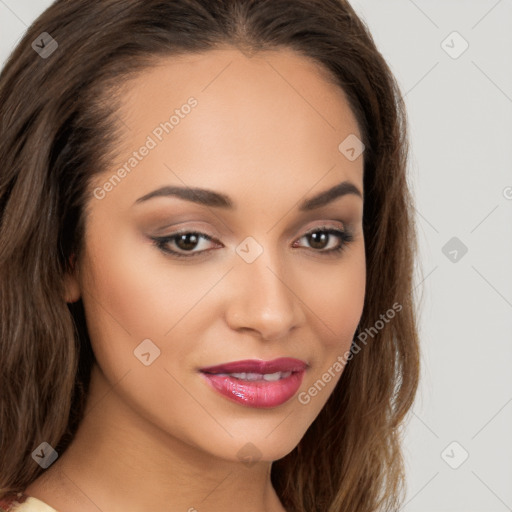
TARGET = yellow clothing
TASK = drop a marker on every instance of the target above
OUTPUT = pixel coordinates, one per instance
(20, 502)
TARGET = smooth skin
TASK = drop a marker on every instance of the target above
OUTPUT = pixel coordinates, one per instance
(265, 132)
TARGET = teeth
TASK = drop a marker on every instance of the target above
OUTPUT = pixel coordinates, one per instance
(269, 377)
(273, 376)
(246, 376)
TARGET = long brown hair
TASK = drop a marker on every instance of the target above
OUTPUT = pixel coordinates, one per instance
(58, 127)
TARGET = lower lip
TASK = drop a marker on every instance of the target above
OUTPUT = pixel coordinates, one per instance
(259, 393)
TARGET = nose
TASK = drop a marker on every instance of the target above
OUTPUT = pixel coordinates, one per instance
(263, 299)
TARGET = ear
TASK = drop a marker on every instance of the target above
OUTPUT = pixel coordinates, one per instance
(71, 282)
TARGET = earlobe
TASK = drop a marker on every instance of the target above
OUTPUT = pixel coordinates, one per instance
(71, 282)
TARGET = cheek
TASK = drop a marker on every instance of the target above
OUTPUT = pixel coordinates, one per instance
(336, 300)
(138, 290)
(133, 293)
(336, 304)
(127, 302)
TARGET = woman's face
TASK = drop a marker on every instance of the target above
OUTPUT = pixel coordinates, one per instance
(256, 278)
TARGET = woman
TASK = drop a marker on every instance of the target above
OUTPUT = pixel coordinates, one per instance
(206, 260)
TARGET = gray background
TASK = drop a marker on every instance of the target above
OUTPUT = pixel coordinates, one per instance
(458, 441)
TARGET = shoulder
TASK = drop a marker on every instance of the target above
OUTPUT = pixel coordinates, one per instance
(21, 502)
(12, 500)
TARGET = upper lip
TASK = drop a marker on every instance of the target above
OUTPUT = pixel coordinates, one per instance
(282, 364)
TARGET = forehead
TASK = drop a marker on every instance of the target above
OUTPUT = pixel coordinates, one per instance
(272, 116)
(232, 78)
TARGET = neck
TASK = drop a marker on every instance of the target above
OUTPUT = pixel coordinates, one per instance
(120, 460)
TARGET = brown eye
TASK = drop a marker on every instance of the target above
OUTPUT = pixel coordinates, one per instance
(319, 238)
(185, 242)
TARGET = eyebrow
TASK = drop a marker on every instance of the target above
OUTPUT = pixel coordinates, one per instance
(207, 197)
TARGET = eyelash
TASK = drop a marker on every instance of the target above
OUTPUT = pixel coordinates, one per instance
(161, 242)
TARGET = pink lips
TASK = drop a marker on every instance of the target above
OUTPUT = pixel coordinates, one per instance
(249, 387)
